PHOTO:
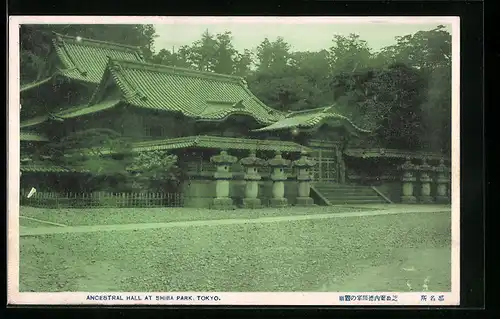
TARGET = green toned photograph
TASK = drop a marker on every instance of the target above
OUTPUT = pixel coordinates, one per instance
(235, 157)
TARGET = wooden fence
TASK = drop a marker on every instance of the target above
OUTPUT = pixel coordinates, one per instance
(101, 199)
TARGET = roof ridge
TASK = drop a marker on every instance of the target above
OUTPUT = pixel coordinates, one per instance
(173, 69)
(88, 41)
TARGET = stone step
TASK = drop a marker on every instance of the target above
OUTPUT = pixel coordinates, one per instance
(347, 193)
(375, 197)
(340, 186)
(353, 191)
(339, 194)
(334, 190)
(356, 201)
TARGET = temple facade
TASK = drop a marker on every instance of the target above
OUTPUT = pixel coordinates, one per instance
(234, 149)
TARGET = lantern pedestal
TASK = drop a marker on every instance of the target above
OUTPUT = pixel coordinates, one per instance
(303, 166)
(252, 178)
(443, 184)
(222, 176)
(278, 177)
(425, 191)
(425, 183)
(408, 180)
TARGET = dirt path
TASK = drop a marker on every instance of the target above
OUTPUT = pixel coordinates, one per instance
(96, 228)
(43, 221)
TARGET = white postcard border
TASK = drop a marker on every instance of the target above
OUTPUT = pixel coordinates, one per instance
(223, 298)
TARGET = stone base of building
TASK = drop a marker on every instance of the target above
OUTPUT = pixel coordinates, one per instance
(442, 200)
(426, 199)
(304, 201)
(223, 204)
(278, 202)
(408, 199)
(252, 203)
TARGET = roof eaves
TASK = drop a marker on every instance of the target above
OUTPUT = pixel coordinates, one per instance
(312, 123)
(216, 142)
(225, 114)
(247, 144)
(68, 73)
(34, 121)
(87, 109)
(35, 84)
(325, 119)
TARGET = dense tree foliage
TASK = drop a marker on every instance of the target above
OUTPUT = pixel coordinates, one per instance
(154, 171)
(402, 93)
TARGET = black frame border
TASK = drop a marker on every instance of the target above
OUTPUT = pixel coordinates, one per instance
(472, 128)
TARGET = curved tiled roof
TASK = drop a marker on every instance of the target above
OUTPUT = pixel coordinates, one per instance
(86, 59)
(200, 95)
(195, 94)
(311, 119)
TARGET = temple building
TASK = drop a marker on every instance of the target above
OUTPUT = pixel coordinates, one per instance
(234, 149)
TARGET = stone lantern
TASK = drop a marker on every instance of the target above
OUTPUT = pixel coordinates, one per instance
(408, 179)
(222, 177)
(425, 182)
(303, 165)
(442, 182)
(252, 177)
(278, 177)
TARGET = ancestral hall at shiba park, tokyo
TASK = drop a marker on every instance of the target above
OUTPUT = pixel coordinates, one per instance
(235, 151)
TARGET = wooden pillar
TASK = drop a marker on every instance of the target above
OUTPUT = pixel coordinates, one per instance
(252, 178)
(222, 177)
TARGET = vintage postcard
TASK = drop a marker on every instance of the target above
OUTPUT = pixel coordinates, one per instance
(233, 161)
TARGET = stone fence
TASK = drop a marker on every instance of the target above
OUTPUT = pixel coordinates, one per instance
(224, 187)
(424, 175)
(251, 165)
